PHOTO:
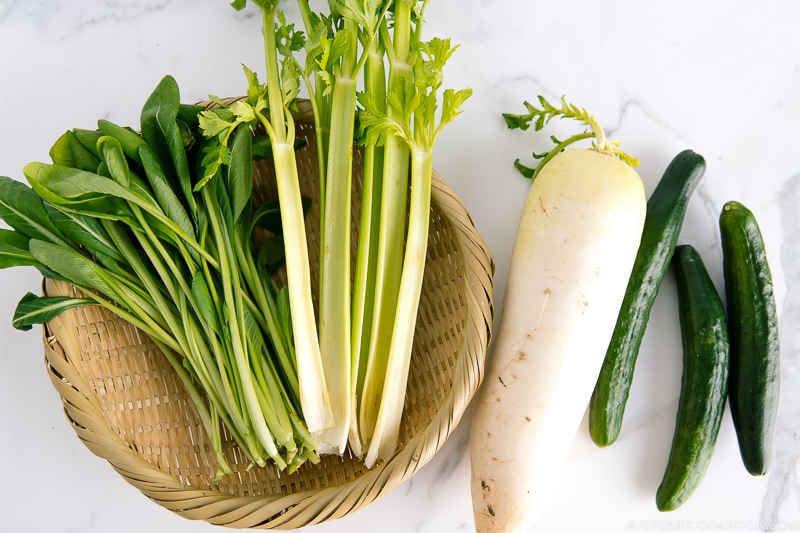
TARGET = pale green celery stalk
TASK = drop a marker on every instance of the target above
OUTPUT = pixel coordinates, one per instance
(419, 129)
(314, 396)
(384, 439)
(334, 285)
(336, 72)
(321, 102)
(335, 224)
(392, 229)
(367, 250)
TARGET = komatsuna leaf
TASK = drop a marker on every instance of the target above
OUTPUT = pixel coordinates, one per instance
(85, 231)
(189, 114)
(33, 309)
(70, 152)
(22, 209)
(163, 192)
(161, 132)
(88, 139)
(254, 333)
(114, 158)
(284, 312)
(129, 141)
(271, 254)
(120, 171)
(205, 303)
(262, 146)
(83, 192)
(140, 193)
(72, 266)
(14, 250)
(240, 171)
(159, 112)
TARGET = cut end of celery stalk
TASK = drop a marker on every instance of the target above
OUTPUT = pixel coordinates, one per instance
(354, 438)
(333, 440)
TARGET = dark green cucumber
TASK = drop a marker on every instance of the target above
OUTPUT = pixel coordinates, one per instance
(666, 209)
(753, 327)
(704, 381)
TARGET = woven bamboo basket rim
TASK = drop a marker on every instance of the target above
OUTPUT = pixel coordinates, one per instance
(127, 407)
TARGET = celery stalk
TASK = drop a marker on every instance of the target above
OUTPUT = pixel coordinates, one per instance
(334, 313)
(410, 118)
(366, 268)
(391, 231)
(314, 397)
(387, 424)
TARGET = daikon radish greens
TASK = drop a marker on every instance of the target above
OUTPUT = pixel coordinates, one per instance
(575, 247)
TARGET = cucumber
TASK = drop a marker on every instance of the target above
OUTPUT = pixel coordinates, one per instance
(753, 327)
(666, 209)
(704, 381)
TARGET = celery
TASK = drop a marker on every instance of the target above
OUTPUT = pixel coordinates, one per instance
(363, 306)
(366, 330)
(392, 222)
(159, 230)
(280, 92)
(411, 116)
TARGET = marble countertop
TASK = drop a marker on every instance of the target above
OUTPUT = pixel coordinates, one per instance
(719, 77)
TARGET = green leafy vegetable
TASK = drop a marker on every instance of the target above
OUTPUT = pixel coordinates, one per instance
(158, 224)
(33, 309)
(539, 118)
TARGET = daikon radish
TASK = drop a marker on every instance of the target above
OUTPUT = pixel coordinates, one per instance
(574, 252)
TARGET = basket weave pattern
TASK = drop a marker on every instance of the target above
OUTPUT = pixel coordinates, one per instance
(126, 404)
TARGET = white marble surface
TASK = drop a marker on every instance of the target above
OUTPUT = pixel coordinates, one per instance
(722, 78)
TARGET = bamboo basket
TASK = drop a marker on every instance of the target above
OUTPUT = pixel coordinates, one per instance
(127, 406)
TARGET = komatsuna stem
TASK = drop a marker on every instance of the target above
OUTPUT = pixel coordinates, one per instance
(238, 338)
(262, 305)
